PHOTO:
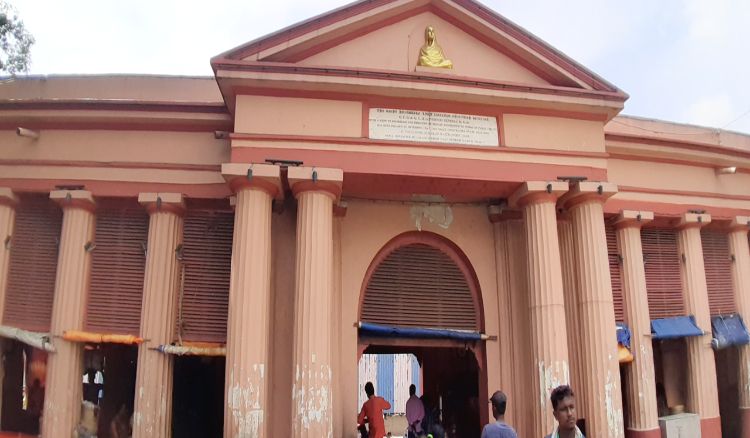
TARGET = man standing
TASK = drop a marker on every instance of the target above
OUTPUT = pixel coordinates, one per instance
(372, 412)
(414, 413)
(498, 429)
(564, 409)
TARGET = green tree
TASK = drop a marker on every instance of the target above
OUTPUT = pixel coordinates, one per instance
(15, 41)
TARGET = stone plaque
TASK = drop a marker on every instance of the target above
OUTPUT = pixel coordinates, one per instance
(433, 127)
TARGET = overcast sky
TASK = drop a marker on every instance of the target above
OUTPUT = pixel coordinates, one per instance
(680, 60)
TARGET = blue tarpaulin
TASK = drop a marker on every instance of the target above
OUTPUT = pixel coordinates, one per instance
(377, 330)
(675, 328)
(623, 335)
(729, 330)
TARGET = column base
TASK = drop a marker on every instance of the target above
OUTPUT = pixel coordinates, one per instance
(711, 427)
(745, 418)
(653, 433)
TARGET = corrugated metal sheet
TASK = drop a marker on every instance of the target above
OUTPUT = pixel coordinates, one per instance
(207, 262)
(415, 374)
(33, 264)
(419, 286)
(613, 254)
(118, 264)
(718, 272)
(391, 374)
(662, 264)
(368, 372)
(385, 379)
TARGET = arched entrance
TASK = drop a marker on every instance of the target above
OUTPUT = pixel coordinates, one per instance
(421, 296)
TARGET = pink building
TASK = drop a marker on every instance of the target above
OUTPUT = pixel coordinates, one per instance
(224, 250)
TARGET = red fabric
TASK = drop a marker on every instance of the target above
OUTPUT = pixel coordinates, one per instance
(373, 409)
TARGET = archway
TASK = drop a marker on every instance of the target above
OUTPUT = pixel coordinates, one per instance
(422, 297)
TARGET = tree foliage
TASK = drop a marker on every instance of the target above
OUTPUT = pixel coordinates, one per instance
(15, 41)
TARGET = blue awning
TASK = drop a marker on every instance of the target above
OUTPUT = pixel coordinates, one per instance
(729, 330)
(385, 331)
(623, 335)
(675, 328)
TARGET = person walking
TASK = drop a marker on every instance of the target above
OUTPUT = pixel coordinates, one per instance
(372, 413)
(499, 429)
(564, 409)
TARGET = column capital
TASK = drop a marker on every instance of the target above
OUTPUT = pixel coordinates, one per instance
(73, 199)
(693, 220)
(266, 177)
(587, 191)
(7, 197)
(739, 223)
(632, 218)
(304, 179)
(166, 202)
(536, 192)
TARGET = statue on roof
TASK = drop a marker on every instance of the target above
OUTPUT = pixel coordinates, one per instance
(431, 55)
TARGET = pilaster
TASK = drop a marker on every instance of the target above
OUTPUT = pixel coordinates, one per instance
(640, 390)
(316, 189)
(546, 299)
(596, 315)
(63, 389)
(152, 417)
(702, 392)
(504, 311)
(738, 248)
(8, 203)
(247, 389)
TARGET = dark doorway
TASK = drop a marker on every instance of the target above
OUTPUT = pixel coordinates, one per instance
(23, 387)
(198, 397)
(727, 367)
(450, 386)
(109, 372)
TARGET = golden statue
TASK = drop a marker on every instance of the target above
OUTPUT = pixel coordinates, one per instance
(431, 55)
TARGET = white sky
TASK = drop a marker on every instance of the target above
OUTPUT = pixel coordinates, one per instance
(680, 60)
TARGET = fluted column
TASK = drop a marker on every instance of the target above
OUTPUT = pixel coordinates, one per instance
(702, 392)
(316, 189)
(247, 383)
(570, 292)
(643, 415)
(153, 385)
(549, 343)
(738, 248)
(62, 403)
(596, 312)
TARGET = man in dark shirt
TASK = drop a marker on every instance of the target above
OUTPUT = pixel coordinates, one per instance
(498, 429)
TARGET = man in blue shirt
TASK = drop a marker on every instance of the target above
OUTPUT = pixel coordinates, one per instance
(498, 429)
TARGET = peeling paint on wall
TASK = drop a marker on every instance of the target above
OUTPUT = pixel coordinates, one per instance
(245, 400)
(312, 399)
(550, 377)
(440, 215)
(614, 416)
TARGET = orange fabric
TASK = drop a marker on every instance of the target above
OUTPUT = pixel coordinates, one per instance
(373, 409)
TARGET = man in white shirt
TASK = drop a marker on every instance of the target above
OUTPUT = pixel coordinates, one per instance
(414, 413)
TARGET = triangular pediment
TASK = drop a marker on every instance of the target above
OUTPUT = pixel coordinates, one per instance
(386, 35)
